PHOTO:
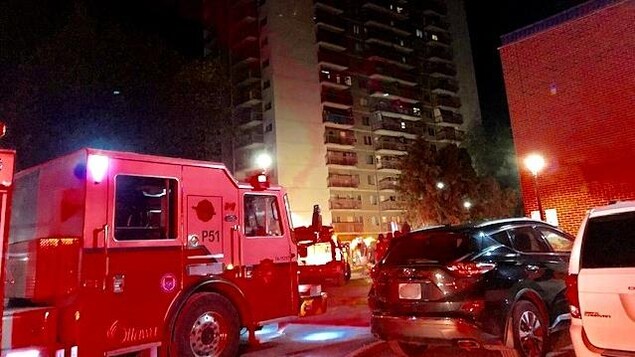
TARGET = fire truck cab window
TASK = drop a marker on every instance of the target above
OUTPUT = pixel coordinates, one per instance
(262, 216)
(145, 208)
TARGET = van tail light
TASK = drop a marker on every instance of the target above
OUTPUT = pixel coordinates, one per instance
(572, 295)
(470, 269)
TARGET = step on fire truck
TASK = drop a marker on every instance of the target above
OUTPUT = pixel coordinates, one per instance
(114, 253)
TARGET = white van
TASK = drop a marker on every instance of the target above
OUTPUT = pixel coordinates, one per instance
(601, 283)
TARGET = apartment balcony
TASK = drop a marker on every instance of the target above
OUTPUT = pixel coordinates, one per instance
(390, 205)
(448, 101)
(442, 68)
(435, 24)
(335, 79)
(245, 12)
(348, 227)
(389, 163)
(341, 158)
(394, 127)
(378, 20)
(338, 117)
(332, 59)
(434, 7)
(331, 40)
(385, 38)
(246, 55)
(339, 99)
(438, 38)
(345, 203)
(449, 134)
(248, 118)
(397, 109)
(395, 9)
(334, 6)
(441, 85)
(393, 91)
(448, 116)
(390, 145)
(344, 139)
(386, 72)
(328, 20)
(439, 52)
(388, 55)
(248, 98)
(250, 140)
(246, 76)
(244, 35)
(388, 183)
(346, 181)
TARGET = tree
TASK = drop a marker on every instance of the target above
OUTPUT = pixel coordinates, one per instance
(435, 186)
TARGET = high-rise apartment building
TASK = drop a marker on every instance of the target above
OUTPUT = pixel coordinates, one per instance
(338, 90)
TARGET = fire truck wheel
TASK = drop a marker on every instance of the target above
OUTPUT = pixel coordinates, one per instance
(208, 326)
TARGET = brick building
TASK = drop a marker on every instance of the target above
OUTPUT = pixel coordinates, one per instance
(570, 82)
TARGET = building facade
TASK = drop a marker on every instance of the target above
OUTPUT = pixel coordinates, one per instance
(337, 90)
(570, 83)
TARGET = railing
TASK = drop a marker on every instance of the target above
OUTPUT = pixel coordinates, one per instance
(388, 54)
(430, 21)
(345, 203)
(392, 145)
(250, 138)
(386, 36)
(373, 17)
(247, 117)
(442, 68)
(434, 5)
(339, 98)
(336, 58)
(248, 31)
(451, 117)
(388, 183)
(340, 140)
(390, 205)
(246, 10)
(331, 38)
(386, 5)
(390, 164)
(450, 134)
(448, 101)
(246, 74)
(392, 72)
(439, 52)
(343, 181)
(401, 127)
(341, 160)
(334, 77)
(248, 96)
(246, 53)
(440, 37)
(394, 89)
(445, 84)
(397, 107)
(335, 118)
(327, 18)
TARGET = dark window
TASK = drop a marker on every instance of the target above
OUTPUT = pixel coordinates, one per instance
(266, 84)
(558, 241)
(265, 63)
(145, 208)
(526, 239)
(268, 128)
(430, 248)
(609, 242)
(263, 21)
(366, 121)
(262, 216)
(502, 238)
(265, 42)
(267, 105)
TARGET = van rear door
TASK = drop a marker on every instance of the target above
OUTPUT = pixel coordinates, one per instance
(606, 281)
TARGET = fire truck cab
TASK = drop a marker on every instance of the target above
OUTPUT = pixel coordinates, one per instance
(115, 253)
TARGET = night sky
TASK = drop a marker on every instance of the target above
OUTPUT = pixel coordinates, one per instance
(488, 20)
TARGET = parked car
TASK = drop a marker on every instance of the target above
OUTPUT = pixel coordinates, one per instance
(498, 285)
(601, 283)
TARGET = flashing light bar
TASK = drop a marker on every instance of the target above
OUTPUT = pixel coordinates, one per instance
(97, 167)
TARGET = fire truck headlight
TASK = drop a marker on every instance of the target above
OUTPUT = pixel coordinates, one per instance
(97, 167)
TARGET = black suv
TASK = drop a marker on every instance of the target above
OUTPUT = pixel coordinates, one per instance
(497, 285)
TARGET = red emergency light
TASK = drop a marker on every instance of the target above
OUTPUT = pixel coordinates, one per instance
(260, 181)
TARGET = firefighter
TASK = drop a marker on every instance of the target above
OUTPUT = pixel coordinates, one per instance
(382, 247)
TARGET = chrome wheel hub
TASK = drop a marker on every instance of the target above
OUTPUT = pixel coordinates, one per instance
(531, 334)
(208, 336)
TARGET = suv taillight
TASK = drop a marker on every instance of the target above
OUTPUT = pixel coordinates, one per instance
(572, 295)
(469, 269)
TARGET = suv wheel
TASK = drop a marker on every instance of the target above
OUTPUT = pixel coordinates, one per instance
(405, 349)
(530, 330)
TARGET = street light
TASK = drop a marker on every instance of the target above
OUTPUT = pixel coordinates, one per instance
(535, 163)
(440, 185)
(467, 204)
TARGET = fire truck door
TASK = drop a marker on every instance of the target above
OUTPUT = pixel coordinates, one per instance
(210, 211)
(270, 271)
(143, 253)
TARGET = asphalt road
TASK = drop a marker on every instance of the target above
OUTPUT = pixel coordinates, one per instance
(344, 331)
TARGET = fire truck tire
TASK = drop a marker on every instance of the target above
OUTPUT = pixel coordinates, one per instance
(207, 326)
(348, 273)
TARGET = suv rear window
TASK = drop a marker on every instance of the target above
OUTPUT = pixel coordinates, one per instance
(609, 242)
(430, 248)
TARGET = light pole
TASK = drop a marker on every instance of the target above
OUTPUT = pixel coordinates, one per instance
(535, 163)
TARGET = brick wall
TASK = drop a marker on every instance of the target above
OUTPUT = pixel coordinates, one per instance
(571, 94)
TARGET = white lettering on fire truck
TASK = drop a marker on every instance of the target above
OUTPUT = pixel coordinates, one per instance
(125, 334)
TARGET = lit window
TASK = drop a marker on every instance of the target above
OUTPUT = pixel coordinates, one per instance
(435, 37)
(374, 220)
(419, 33)
(356, 29)
(416, 111)
(403, 125)
(399, 9)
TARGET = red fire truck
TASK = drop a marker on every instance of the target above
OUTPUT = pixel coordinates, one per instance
(322, 257)
(122, 254)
